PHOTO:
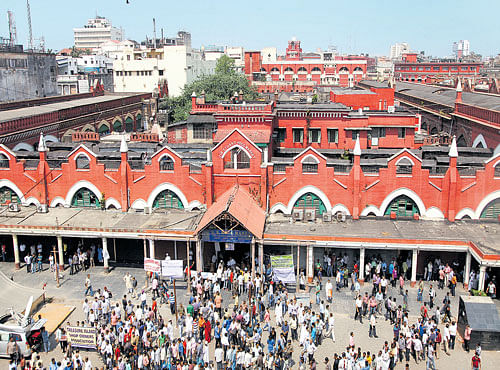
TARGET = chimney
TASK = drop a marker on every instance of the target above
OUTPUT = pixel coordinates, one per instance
(459, 92)
(193, 100)
(240, 96)
(201, 100)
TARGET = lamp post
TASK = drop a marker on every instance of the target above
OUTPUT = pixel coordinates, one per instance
(56, 264)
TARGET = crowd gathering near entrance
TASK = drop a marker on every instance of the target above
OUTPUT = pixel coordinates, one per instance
(256, 322)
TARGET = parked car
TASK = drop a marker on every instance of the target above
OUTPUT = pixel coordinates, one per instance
(28, 337)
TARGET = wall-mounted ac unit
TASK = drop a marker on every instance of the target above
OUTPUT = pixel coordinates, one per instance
(42, 208)
(310, 215)
(340, 216)
(298, 214)
(375, 141)
(327, 217)
(14, 207)
(147, 210)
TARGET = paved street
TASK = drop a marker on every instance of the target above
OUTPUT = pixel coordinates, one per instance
(71, 292)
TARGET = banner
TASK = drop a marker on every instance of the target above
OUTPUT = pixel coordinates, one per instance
(285, 261)
(172, 268)
(283, 268)
(152, 265)
(82, 337)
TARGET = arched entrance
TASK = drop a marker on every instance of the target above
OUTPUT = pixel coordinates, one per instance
(85, 197)
(8, 196)
(402, 206)
(167, 199)
(103, 129)
(461, 141)
(129, 124)
(492, 210)
(117, 126)
(310, 201)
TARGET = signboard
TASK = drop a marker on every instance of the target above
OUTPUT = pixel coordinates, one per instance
(83, 86)
(172, 268)
(283, 268)
(82, 337)
(152, 265)
(232, 236)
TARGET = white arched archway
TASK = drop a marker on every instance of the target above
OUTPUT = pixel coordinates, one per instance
(9, 184)
(32, 201)
(250, 155)
(139, 204)
(113, 202)
(23, 146)
(172, 188)
(434, 213)
(465, 212)
(77, 186)
(486, 200)
(370, 209)
(308, 189)
(57, 201)
(479, 139)
(51, 139)
(402, 191)
(168, 155)
(403, 158)
(340, 208)
(313, 157)
(278, 207)
(194, 204)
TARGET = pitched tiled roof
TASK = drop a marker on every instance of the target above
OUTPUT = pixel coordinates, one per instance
(239, 204)
(256, 135)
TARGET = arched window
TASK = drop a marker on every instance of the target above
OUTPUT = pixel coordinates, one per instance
(103, 129)
(404, 167)
(85, 198)
(310, 201)
(263, 69)
(167, 199)
(310, 165)
(288, 69)
(343, 69)
(129, 124)
(461, 141)
(434, 131)
(4, 161)
(497, 170)
(302, 69)
(237, 159)
(117, 126)
(166, 163)
(492, 210)
(8, 196)
(274, 69)
(358, 69)
(82, 162)
(316, 69)
(403, 206)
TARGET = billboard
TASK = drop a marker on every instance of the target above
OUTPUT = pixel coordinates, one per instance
(82, 337)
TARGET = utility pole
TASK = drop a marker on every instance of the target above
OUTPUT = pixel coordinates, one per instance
(56, 264)
(29, 25)
(12, 29)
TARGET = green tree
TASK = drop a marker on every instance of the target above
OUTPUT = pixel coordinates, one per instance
(220, 86)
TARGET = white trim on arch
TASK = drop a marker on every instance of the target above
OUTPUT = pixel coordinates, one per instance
(316, 160)
(497, 150)
(340, 208)
(308, 189)
(82, 154)
(167, 186)
(486, 200)
(402, 191)
(77, 186)
(14, 188)
(370, 209)
(139, 204)
(56, 201)
(479, 139)
(250, 156)
(166, 155)
(194, 204)
(404, 157)
(112, 202)
(23, 146)
(278, 207)
(51, 138)
(32, 200)
(3, 147)
(434, 213)
(465, 212)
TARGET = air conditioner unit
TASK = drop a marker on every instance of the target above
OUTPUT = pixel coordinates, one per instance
(147, 210)
(375, 141)
(42, 208)
(14, 207)
(327, 217)
(298, 214)
(310, 215)
(391, 109)
(340, 216)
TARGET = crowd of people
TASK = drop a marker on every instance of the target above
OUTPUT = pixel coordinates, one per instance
(255, 323)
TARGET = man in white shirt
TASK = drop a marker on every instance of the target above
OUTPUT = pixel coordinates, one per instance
(219, 357)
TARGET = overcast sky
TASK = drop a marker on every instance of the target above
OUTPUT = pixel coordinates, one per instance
(362, 26)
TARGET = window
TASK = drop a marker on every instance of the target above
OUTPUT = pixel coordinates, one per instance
(355, 134)
(314, 135)
(167, 199)
(435, 68)
(378, 132)
(166, 164)
(160, 72)
(202, 132)
(401, 132)
(7, 196)
(404, 167)
(237, 159)
(82, 162)
(402, 206)
(4, 161)
(454, 68)
(309, 168)
(427, 68)
(279, 168)
(298, 135)
(85, 198)
(333, 135)
(497, 170)
(446, 68)
(281, 134)
(464, 68)
(472, 68)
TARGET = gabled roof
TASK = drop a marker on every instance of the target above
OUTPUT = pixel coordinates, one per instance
(403, 151)
(163, 148)
(261, 135)
(239, 204)
(242, 134)
(4, 147)
(306, 150)
(84, 148)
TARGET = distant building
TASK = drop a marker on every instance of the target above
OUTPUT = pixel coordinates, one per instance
(97, 31)
(26, 75)
(461, 49)
(398, 49)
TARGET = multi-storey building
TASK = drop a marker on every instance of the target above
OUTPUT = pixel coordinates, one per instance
(398, 49)
(97, 31)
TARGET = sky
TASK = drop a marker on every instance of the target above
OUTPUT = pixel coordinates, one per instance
(361, 26)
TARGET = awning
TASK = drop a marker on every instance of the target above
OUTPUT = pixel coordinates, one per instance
(241, 206)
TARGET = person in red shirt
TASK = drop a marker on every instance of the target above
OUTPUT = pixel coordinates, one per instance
(476, 362)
